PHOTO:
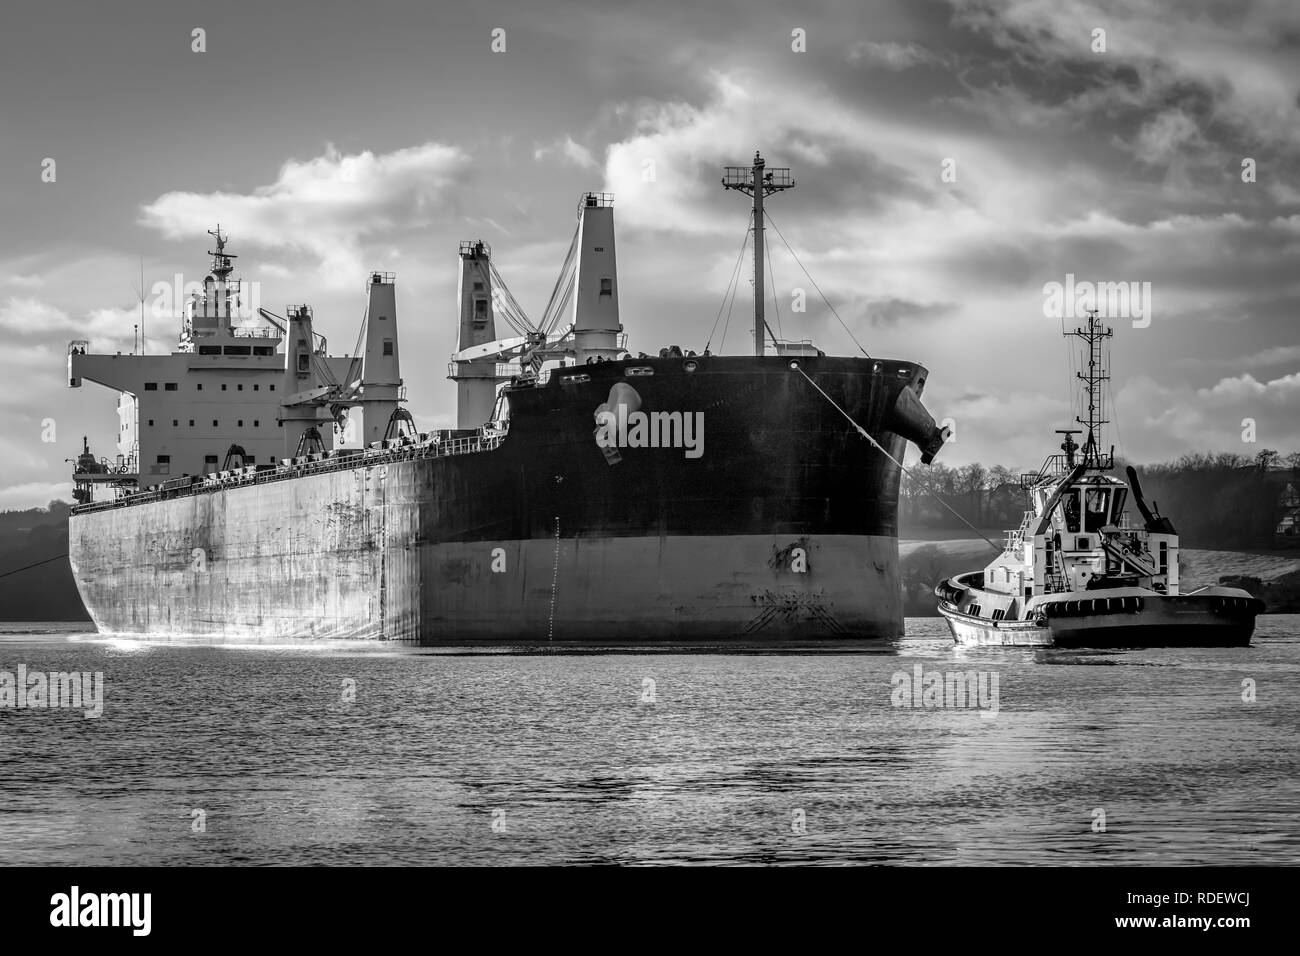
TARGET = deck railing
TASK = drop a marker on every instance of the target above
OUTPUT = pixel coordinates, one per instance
(340, 460)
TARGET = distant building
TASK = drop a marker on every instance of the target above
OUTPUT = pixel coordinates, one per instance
(1287, 532)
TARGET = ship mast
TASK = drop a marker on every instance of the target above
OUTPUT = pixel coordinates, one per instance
(221, 264)
(758, 181)
(1094, 336)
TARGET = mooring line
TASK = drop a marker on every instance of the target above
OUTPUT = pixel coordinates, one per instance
(28, 567)
(863, 432)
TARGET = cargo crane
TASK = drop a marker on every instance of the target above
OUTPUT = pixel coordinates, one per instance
(585, 293)
(315, 396)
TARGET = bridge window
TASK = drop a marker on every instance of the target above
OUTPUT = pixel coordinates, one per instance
(256, 386)
(169, 386)
(237, 350)
(223, 386)
(199, 387)
(239, 387)
(151, 386)
(175, 423)
(164, 459)
(263, 350)
(272, 387)
(606, 286)
(214, 423)
(209, 349)
(1070, 508)
(239, 424)
(191, 423)
(388, 346)
(210, 460)
(303, 359)
(257, 423)
(1096, 509)
(151, 423)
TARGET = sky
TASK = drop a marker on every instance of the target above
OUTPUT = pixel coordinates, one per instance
(953, 159)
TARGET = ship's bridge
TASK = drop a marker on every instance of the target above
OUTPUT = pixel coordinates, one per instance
(180, 412)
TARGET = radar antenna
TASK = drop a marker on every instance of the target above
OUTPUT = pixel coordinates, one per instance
(221, 264)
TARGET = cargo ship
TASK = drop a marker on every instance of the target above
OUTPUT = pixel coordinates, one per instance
(587, 494)
(1077, 573)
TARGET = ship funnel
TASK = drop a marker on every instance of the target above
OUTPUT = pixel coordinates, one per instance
(909, 418)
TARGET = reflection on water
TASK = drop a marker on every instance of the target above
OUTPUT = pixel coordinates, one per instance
(550, 759)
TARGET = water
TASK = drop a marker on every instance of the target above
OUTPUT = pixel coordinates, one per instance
(737, 753)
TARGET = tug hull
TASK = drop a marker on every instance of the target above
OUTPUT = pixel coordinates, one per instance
(1114, 618)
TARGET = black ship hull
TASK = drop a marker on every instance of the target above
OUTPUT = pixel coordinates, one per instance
(772, 520)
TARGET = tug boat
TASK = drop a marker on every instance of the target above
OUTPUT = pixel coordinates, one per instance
(1076, 573)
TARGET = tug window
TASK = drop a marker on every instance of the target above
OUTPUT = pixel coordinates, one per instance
(1070, 507)
(151, 386)
(169, 386)
(1096, 511)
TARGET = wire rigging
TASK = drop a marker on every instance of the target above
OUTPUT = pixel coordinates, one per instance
(562, 294)
(924, 485)
(772, 223)
(771, 274)
(735, 274)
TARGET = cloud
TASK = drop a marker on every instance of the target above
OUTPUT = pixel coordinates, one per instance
(34, 494)
(17, 281)
(1161, 139)
(891, 55)
(1161, 421)
(574, 152)
(1239, 63)
(1280, 391)
(327, 207)
(104, 327)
